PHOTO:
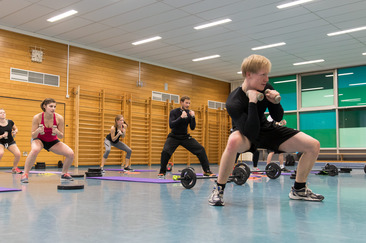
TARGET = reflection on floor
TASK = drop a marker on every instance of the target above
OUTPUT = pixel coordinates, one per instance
(106, 211)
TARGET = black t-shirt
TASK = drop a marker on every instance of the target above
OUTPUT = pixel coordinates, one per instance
(179, 125)
(247, 117)
(8, 128)
(109, 137)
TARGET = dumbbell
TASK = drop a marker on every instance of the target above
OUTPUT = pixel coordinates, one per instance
(272, 170)
(188, 177)
(40, 125)
(260, 96)
(277, 98)
(54, 134)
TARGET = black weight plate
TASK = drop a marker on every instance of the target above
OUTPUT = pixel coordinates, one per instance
(94, 170)
(345, 170)
(76, 176)
(70, 187)
(240, 175)
(93, 174)
(364, 168)
(246, 167)
(188, 178)
(332, 170)
(273, 170)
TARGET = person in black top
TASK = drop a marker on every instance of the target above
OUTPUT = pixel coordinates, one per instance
(179, 119)
(117, 130)
(8, 130)
(252, 130)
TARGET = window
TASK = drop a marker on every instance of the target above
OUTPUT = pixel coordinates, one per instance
(317, 90)
(321, 125)
(352, 128)
(286, 86)
(352, 86)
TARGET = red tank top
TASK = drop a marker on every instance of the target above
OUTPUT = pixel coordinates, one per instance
(47, 136)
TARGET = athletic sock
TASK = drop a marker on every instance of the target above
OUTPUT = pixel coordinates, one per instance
(221, 185)
(298, 185)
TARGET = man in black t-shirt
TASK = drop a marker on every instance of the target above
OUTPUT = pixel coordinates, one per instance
(246, 108)
(179, 119)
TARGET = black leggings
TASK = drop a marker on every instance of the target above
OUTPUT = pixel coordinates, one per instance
(255, 158)
(191, 144)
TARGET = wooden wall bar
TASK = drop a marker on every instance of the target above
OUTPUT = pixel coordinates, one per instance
(108, 87)
(147, 130)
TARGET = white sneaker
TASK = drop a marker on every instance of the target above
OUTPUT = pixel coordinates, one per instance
(305, 194)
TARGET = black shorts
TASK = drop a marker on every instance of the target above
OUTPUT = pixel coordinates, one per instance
(271, 136)
(6, 145)
(48, 145)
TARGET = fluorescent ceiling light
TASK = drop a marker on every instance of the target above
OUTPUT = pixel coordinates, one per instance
(268, 46)
(340, 74)
(285, 81)
(317, 88)
(146, 40)
(308, 62)
(62, 16)
(357, 84)
(327, 96)
(364, 53)
(294, 3)
(212, 24)
(205, 58)
(351, 100)
(347, 31)
(239, 72)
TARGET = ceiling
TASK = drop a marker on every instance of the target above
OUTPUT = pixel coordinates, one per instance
(110, 26)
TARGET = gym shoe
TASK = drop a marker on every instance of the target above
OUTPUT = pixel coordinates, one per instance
(305, 194)
(127, 168)
(169, 167)
(66, 177)
(208, 173)
(24, 178)
(256, 170)
(102, 170)
(16, 171)
(161, 176)
(217, 197)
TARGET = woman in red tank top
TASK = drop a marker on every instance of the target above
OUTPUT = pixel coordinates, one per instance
(47, 128)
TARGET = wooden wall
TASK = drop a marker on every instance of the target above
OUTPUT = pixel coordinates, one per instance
(97, 73)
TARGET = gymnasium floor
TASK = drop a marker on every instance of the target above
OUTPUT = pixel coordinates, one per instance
(116, 211)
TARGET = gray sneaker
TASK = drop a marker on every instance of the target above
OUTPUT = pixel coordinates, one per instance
(66, 177)
(305, 194)
(24, 178)
(217, 197)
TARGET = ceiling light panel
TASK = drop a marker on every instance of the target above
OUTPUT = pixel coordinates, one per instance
(294, 3)
(204, 26)
(62, 16)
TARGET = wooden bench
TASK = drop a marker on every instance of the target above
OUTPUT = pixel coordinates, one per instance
(342, 154)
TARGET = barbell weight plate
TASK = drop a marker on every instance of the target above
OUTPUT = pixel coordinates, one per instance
(332, 170)
(273, 170)
(240, 175)
(364, 168)
(246, 167)
(188, 178)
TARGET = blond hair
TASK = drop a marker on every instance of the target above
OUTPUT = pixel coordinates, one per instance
(254, 63)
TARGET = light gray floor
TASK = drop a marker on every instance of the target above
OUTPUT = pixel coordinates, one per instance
(115, 211)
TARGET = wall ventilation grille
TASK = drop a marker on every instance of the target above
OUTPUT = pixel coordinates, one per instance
(216, 105)
(34, 77)
(159, 96)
